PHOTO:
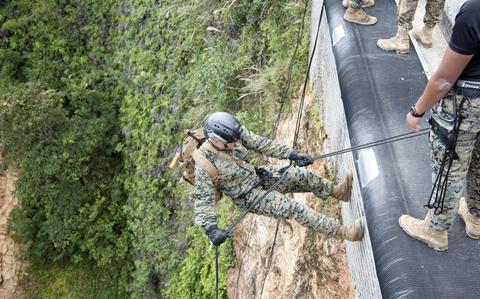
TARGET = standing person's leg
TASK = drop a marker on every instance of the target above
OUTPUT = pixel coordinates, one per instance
(469, 208)
(456, 180)
(433, 11)
(433, 229)
(466, 144)
(400, 42)
(365, 3)
(278, 205)
(355, 13)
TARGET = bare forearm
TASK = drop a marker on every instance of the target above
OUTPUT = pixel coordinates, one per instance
(443, 79)
(436, 88)
(441, 82)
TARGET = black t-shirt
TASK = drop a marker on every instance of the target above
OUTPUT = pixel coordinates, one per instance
(466, 38)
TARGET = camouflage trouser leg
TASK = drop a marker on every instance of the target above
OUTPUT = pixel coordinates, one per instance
(466, 148)
(433, 10)
(407, 8)
(406, 11)
(278, 205)
(299, 179)
(354, 3)
(473, 182)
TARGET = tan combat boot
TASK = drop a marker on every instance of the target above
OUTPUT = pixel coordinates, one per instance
(365, 4)
(472, 223)
(344, 188)
(353, 232)
(399, 43)
(423, 36)
(358, 16)
(417, 229)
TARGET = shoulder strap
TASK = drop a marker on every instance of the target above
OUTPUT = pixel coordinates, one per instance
(221, 154)
(206, 165)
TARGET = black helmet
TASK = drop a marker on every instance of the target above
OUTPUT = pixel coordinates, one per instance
(222, 126)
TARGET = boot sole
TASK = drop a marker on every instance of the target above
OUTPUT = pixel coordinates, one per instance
(437, 248)
(357, 22)
(394, 50)
(361, 234)
(471, 235)
(428, 46)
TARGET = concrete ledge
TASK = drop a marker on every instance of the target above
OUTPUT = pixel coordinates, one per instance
(448, 16)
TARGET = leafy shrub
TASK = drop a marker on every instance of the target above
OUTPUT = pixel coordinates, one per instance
(94, 97)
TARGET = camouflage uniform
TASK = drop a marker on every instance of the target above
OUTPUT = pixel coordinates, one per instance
(235, 178)
(407, 8)
(467, 168)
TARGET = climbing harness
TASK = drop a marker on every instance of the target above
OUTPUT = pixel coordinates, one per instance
(284, 172)
(448, 134)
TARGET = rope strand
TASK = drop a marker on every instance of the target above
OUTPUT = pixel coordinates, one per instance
(289, 75)
(374, 143)
(283, 98)
(297, 131)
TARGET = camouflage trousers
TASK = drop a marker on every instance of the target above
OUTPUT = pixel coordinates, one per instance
(406, 12)
(355, 3)
(465, 170)
(276, 204)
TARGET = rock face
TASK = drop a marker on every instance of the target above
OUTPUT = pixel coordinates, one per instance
(304, 264)
(10, 267)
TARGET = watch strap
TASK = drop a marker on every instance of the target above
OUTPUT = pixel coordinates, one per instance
(414, 113)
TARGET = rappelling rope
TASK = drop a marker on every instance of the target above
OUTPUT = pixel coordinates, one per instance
(297, 131)
(285, 170)
(284, 94)
(374, 143)
(289, 75)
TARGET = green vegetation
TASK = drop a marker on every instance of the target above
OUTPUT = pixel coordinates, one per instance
(73, 281)
(94, 96)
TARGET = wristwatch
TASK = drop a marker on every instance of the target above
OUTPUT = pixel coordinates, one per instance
(414, 113)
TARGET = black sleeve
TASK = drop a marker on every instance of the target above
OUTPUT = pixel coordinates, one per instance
(466, 32)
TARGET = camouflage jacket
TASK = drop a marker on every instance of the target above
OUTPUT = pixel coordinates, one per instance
(234, 177)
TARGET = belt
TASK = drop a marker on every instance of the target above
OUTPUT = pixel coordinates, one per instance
(468, 84)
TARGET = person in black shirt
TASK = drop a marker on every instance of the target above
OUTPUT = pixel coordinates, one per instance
(453, 94)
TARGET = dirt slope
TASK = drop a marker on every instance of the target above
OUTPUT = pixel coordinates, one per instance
(10, 267)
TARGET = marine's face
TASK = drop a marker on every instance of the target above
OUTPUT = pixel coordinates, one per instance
(221, 146)
(231, 145)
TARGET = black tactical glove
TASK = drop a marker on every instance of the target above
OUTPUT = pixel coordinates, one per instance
(217, 236)
(301, 159)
